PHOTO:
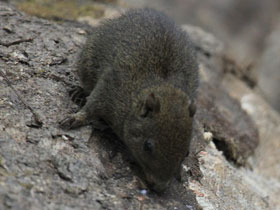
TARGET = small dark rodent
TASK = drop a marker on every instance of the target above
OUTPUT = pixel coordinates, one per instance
(140, 74)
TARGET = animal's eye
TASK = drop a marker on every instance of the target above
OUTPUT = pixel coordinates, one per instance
(148, 146)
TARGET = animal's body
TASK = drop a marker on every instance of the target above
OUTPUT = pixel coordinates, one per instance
(140, 74)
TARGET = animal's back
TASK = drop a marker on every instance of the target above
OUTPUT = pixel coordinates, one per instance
(144, 43)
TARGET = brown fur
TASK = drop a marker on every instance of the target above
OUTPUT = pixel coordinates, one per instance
(140, 73)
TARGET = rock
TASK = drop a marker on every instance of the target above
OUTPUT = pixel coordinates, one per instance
(268, 69)
(265, 162)
(233, 131)
(43, 167)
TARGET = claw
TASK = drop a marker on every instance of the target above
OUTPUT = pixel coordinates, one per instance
(75, 89)
(78, 95)
(80, 101)
(70, 122)
(66, 123)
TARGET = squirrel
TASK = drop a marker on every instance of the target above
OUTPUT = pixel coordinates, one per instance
(139, 75)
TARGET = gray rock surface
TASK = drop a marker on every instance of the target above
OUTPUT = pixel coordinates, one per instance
(43, 167)
(268, 68)
(265, 164)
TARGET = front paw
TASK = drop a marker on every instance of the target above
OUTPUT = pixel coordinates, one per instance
(72, 121)
(78, 96)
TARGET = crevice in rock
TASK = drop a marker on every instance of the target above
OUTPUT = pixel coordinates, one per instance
(222, 146)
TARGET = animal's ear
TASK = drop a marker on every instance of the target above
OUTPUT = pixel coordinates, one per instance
(150, 106)
(192, 109)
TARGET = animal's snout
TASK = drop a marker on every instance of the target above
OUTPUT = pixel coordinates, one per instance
(156, 184)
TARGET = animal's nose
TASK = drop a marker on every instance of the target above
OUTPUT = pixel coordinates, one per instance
(159, 188)
(156, 185)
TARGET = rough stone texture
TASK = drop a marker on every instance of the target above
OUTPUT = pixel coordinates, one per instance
(43, 167)
(234, 132)
(224, 187)
(256, 186)
(268, 68)
(266, 160)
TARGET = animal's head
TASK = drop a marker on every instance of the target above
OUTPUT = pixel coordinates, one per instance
(158, 133)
